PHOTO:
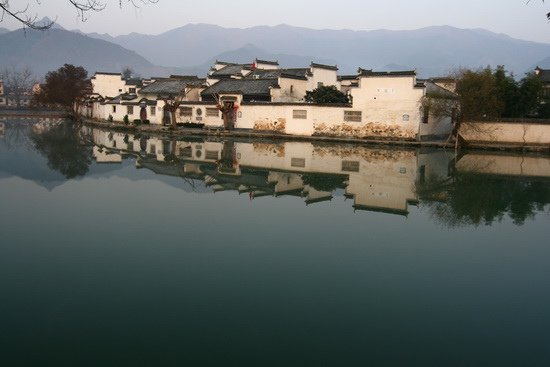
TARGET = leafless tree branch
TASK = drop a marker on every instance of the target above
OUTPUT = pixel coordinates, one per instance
(83, 7)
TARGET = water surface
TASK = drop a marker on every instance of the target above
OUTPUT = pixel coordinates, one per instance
(121, 249)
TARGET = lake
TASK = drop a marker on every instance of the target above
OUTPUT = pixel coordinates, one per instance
(120, 249)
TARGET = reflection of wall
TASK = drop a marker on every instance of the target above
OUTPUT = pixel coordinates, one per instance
(105, 156)
(376, 179)
(495, 164)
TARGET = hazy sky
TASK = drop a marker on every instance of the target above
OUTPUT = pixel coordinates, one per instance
(517, 18)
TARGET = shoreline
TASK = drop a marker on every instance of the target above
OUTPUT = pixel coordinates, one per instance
(168, 132)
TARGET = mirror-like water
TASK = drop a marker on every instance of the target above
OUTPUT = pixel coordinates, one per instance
(121, 249)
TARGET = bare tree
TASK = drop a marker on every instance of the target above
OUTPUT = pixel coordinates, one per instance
(17, 83)
(23, 15)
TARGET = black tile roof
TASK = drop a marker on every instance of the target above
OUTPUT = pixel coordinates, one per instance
(543, 74)
(347, 77)
(136, 82)
(296, 73)
(267, 62)
(231, 69)
(322, 66)
(255, 87)
(170, 85)
(434, 90)
(367, 73)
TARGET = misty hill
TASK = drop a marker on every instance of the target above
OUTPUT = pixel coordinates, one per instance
(4, 30)
(432, 50)
(48, 50)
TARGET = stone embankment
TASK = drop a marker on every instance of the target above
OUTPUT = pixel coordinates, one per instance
(249, 133)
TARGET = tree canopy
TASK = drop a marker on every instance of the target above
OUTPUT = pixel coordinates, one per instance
(326, 94)
(64, 87)
(488, 93)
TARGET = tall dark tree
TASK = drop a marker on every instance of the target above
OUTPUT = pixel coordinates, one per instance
(64, 88)
(64, 149)
(479, 97)
(326, 94)
(531, 89)
(508, 92)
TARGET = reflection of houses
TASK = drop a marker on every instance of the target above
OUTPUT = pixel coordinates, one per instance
(262, 96)
(375, 179)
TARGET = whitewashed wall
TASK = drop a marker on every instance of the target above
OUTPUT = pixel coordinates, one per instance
(108, 85)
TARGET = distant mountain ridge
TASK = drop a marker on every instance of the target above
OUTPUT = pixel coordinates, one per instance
(48, 50)
(432, 51)
(191, 49)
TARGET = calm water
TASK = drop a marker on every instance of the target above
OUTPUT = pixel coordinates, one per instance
(123, 250)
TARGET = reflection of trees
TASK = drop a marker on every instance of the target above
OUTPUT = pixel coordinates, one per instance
(475, 199)
(64, 149)
(16, 135)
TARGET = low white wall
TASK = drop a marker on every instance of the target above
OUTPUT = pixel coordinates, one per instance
(506, 132)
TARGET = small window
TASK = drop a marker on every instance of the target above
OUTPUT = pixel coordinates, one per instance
(426, 115)
(132, 90)
(299, 114)
(153, 110)
(406, 117)
(454, 115)
(153, 149)
(186, 111)
(350, 166)
(291, 89)
(130, 110)
(1, 100)
(114, 109)
(352, 116)
(212, 111)
(298, 162)
(211, 154)
(120, 90)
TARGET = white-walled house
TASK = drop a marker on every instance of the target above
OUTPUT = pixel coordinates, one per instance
(3, 99)
(262, 96)
(108, 85)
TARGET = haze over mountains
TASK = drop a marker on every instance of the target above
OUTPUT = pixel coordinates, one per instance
(432, 51)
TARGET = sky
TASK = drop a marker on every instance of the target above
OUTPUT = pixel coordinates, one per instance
(521, 19)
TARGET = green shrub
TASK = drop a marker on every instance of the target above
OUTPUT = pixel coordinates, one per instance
(125, 119)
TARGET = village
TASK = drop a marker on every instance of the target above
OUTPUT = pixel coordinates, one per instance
(264, 99)
(262, 96)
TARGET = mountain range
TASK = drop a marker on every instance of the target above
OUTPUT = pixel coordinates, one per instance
(191, 49)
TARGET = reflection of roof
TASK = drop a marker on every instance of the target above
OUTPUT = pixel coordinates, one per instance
(254, 87)
(170, 85)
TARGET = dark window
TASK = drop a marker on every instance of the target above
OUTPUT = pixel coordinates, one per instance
(426, 115)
